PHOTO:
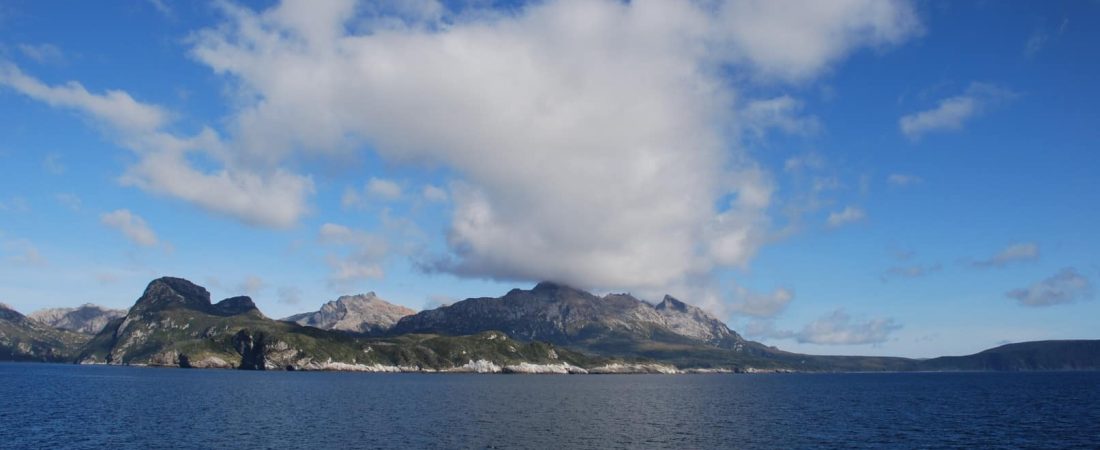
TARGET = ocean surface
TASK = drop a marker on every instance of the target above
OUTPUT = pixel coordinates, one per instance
(67, 406)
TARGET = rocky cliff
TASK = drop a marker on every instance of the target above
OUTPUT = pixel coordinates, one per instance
(363, 313)
(24, 339)
(87, 318)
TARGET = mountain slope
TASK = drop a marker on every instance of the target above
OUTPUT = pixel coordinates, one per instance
(175, 324)
(1036, 355)
(87, 318)
(619, 325)
(363, 313)
(24, 339)
(567, 316)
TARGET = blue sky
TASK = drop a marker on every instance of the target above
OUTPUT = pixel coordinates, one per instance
(849, 177)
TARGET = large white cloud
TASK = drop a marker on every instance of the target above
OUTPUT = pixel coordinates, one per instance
(592, 141)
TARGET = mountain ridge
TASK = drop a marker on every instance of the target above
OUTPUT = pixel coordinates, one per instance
(551, 328)
(361, 313)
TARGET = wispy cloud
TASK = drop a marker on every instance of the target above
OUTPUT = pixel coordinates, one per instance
(835, 328)
(781, 113)
(952, 113)
(903, 180)
(849, 214)
(1066, 286)
(357, 254)
(1023, 251)
(22, 252)
(130, 225)
(761, 305)
(839, 328)
(42, 53)
(71, 201)
(911, 271)
(53, 165)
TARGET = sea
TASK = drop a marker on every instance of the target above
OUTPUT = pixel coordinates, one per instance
(56, 406)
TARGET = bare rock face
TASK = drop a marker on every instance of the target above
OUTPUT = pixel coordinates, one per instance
(87, 318)
(695, 323)
(363, 313)
(25, 339)
(563, 315)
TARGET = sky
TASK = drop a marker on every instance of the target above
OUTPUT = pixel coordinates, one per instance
(865, 177)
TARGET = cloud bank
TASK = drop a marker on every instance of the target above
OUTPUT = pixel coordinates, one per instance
(591, 142)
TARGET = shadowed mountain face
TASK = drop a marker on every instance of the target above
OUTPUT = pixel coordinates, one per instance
(363, 313)
(567, 316)
(24, 339)
(1036, 355)
(87, 318)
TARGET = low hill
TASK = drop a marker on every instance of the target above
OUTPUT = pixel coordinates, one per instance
(1036, 355)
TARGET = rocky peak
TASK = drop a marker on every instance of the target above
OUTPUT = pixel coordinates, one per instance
(671, 303)
(87, 318)
(169, 291)
(7, 313)
(234, 305)
(362, 313)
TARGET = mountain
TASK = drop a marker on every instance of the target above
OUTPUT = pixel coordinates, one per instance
(1036, 355)
(87, 318)
(174, 323)
(563, 315)
(620, 325)
(24, 339)
(363, 313)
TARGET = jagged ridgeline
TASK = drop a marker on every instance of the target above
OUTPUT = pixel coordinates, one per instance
(175, 324)
(24, 339)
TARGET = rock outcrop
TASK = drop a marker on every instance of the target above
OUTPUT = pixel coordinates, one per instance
(87, 318)
(363, 313)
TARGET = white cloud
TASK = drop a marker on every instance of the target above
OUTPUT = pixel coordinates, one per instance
(383, 189)
(590, 142)
(290, 295)
(838, 328)
(251, 285)
(117, 108)
(22, 252)
(1022, 251)
(42, 53)
(71, 201)
(130, 225)
(15, 204)
(903, 180)
(780, 113)
(52, 164)
(357, 254)
(161, 7)
(434, 194)
(795, 40)
(953, 112)
(1035, 43)
(576, 142)
(1066, 286)
(761, 305)
(911, 271)
(262, 196)
(808, 161)
(849, 214)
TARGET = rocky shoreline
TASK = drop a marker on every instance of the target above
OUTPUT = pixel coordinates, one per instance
(477, 367)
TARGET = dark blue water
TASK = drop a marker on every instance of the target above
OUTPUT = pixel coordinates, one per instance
(64, 406)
